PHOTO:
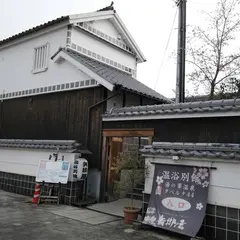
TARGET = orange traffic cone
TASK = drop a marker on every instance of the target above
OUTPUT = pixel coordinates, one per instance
(36, 194)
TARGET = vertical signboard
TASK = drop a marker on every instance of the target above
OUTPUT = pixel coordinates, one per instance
(178, 199)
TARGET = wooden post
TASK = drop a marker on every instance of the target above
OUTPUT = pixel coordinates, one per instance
(150, 140)
(104, 170)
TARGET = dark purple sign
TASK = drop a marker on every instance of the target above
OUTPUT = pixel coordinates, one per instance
(178, 199)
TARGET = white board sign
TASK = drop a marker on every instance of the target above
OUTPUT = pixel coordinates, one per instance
(53, 172)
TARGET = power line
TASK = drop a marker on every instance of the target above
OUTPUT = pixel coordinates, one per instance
(166, 48)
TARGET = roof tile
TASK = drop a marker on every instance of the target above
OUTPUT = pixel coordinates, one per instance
(180, 108)
(68, 145)
(116, 77)
(198, 150)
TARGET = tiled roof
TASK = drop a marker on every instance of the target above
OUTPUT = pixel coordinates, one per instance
(44, 25)
(217, 106)
(116, 77)
(31, 30)
(65, 145)
(199, 150)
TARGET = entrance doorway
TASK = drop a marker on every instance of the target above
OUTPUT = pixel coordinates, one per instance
(116, 147)
(114, 142)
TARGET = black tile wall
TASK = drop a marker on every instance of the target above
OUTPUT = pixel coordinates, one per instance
(25, 185)
(220, 223)
(17, 183)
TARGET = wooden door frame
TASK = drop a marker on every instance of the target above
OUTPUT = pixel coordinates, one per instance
(107, 134)
(110, 157)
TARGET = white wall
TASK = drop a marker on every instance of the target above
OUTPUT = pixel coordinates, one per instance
(91, 43)
(116, 102)
(16, 63)
(105, 26)
(25, 162)
(224, 189)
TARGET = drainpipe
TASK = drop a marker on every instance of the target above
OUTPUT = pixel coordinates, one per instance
(88, 126)
(1, 119)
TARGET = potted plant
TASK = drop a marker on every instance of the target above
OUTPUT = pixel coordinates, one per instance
(130, 169)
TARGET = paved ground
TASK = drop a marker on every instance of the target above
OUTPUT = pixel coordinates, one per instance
(20, 220)
(116, 207)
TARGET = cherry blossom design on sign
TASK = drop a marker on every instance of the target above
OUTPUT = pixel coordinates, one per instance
(199, 175)
(205, 184)
(159, 181)
(151, 220)
(203, 173)
(199, 206)
(151, 210)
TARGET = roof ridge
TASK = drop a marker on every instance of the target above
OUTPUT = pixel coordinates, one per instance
(108, 8)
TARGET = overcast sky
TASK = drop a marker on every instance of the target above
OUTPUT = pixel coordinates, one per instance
(148, 21)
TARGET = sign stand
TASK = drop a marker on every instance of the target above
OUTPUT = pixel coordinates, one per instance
(49, 197)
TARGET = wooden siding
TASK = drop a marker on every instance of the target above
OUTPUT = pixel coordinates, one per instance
(56, 116)
(221, 130)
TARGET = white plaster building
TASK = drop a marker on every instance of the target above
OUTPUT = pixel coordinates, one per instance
(56, 80)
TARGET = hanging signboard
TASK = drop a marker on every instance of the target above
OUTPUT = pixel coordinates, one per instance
(53, 172)
(178, 199)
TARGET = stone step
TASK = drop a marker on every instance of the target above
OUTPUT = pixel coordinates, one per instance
(138, 190)
(140, 185)
(135, 196)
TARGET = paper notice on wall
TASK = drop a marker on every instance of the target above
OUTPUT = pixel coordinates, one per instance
(53, 172)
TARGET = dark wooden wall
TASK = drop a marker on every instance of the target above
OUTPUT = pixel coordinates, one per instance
(60, 115)
(221, 130)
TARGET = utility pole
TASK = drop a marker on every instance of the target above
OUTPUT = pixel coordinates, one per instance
(181, 52)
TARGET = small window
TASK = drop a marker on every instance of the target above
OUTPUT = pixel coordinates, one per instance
(40, 58)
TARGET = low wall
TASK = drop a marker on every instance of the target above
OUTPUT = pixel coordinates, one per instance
(25, 161)
(18, 168)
